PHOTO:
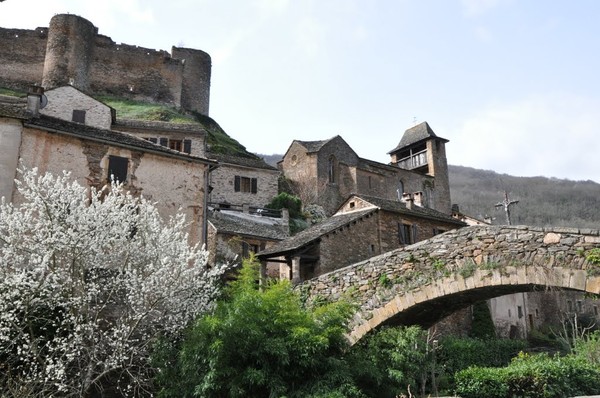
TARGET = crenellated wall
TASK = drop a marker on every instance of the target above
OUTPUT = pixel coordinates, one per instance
(71, 52)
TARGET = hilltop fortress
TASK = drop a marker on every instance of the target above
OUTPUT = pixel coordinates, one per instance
(71, 52)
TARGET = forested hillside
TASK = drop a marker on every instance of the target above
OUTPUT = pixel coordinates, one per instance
(542, 201)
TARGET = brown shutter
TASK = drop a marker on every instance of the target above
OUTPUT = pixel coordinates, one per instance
(236, 184)
(254, 187)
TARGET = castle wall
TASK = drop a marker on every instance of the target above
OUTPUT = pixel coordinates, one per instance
(22, 57)
(70, 52)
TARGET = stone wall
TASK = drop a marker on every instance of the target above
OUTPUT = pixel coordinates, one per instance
(174, 184)
(470, 264)
(22, 57)
(63, 100)
(169, 131)
(222, 179)
(10, 142)
(348, 244)
(70, 52)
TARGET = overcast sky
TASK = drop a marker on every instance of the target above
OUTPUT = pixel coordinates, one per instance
(513, 84)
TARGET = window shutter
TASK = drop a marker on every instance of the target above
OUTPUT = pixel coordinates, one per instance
(78, 116)
(401, 236)
(164, 141)
(187, 146)
(236, 184)
(414, 233)
(254, 187)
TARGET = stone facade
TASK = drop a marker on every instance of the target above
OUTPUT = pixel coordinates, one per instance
(243, 181)
(71, 52)
(175, 181)
(363, 227)
(425, 282)
(327, 172)
(186, 138)
(64, 101)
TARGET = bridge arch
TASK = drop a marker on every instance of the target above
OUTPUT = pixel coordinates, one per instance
(423, 283)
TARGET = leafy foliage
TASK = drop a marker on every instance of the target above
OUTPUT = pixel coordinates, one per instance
(285, 200)
(88, 280)
(534, 376)
(482, 326)
(260, 343)
(455, 354)
(391, 360)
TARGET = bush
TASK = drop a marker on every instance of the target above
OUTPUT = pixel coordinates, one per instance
(532, 376)
(390, 360)
(286, 201)
(456, 354)
(260, 343)
(476, 382)
(482, 326)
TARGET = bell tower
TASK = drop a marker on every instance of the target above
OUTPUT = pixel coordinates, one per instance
(420, 150)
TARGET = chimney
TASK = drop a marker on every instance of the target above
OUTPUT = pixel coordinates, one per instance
(407, 198)
(34, 100)
(418, 198)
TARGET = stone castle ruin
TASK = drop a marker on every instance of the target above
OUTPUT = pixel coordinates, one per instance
(71, 52)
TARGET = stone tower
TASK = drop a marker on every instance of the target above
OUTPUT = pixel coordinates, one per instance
(69, 52)
(422, 151)
(195, 91)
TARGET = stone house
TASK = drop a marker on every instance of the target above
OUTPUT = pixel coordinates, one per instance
(363, 227)
(93, 154)
(235, 233)
(242, 180)
(327, 172)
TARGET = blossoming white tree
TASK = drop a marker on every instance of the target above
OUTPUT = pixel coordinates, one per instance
(88, 280)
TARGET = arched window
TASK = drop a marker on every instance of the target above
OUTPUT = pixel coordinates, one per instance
(331, 170)
(400, 189)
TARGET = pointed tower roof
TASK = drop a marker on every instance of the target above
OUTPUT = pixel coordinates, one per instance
(420, 132)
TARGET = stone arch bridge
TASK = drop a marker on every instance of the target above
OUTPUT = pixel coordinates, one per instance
(425, 282)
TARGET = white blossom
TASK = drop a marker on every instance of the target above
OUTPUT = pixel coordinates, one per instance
(88, 280)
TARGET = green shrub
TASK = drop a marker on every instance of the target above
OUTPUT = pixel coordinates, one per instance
(478, 382)
(531, 376)
(286, 201)
(482, 326)
(460, 353)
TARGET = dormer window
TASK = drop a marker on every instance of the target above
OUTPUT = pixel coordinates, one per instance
(78, 116)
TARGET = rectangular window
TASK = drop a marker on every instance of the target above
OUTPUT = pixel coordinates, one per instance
(78, 116)
(117, 168)
(248, 248)
(187, 146)
(153, 140)
(569, 306)
(163, 141)
(176, 145)
(245, 184)
(520, 311)
(579, 306)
